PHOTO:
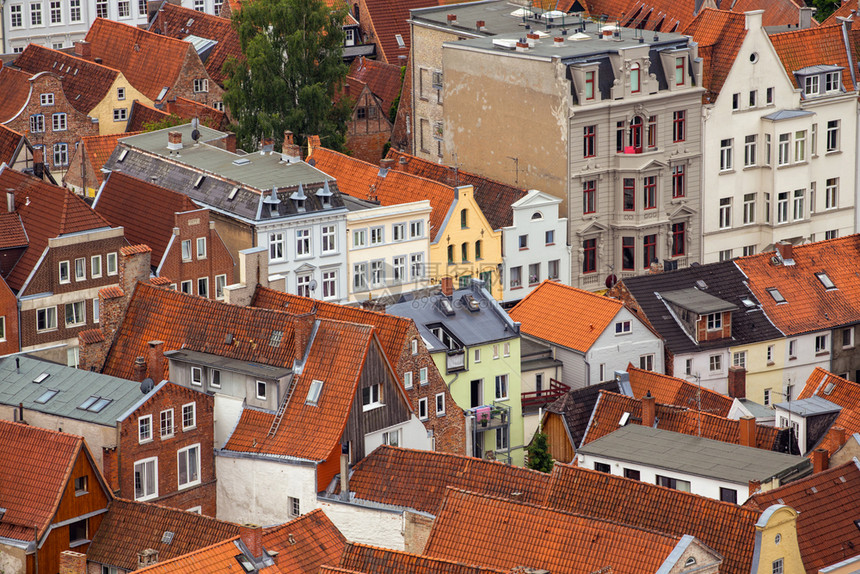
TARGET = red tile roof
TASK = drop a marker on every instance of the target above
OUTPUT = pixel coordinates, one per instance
(46, 211)
(843, 11)
(15, 86)
(37, 465)
(12, 232)
(564, 315)
(141, 116)
(85, 83)
(188, 109)
(809, 305)
(844, 393)
(308, 431)
(10, 142)
(418, 478)
(373, 560)
(198, 324)
(99, 148)
(611, 406)
(719, 34)
(387, 18)
(149, 62)
(382, 79)
(678, 392)
(305, 543)
(493, 197)
(219, 557)
(823, 45)
(183, 22)
(130, 526)
(123, 198)
(504, 534)
(361, 179)
(828, 503)
(727, 528)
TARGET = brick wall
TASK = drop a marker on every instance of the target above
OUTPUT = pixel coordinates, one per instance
(9, 312)
(193, 68)
(367, 136)
(703, 334)
(171, 396)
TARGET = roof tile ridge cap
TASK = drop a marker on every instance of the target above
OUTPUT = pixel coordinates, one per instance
(75, 58)
(136, 32)
(192, 553)
(582, 292)
(275, 528)
(394, 172)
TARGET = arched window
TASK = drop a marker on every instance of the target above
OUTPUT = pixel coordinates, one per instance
(464, 218)
(537, 216)
(635, 82)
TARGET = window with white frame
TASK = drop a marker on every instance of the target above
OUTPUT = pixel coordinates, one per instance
(502, 438)
(777, 566)
(398, 232)
(294, 508)
(715, 321)
(766, 401)
(800, 145)
(303, 285)
(111, 263)
(96, 266)
(61, 154)
(75, 11)
(80, 269)
(726, 154)
(501, 387)
(398, 269)
(189, 416)
(36, 13)
(416, 229)
(303, 242)
(186, 250)
(391, 438)
(407, 379)
(120, 114)
(783, 156)
(277, 247)
(422, 376)
(201, 85)
(416, 264)
(203, 287)
(782, 207)
(188, 466)
(792, 349)
(371, 397)
(359, 276)
(810, 86)
(146, 479)
(820, 344)
(359, 238)
(831, 193)
(798, 203)
(422, 409)
(197, 376)
(749, 208)
(832, 135)
(623, 327)
(2, 328)
(377, 272)
(185, 287)
(124, 8)
(46, 319)
(377, 236)
(16, 16)
(201, 248)
(329, 238)
(144, 429)
(715, 363)
(832, 81)
(76, 314)
(725, 212)
(750, 150)
(215, 379)
(646, 362)
(739, 359)
(37, 123)
(96, 310)
(167, 428)
(262, 390)
(329, 284)
(59, 122)
(65, 276)
(220, 284)
(414, 346)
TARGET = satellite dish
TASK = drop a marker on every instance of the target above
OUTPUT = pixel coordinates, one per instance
(147, 385)
(313, 285)
(611, 280)
(195, 135)
(312, 162)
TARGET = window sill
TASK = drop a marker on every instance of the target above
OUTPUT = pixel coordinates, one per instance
(147, 441)
(371, 407)
(186, 429)
(188, 485)
(726, 171)
(770, 363)
(550, 244)
(822, 353)
(517, 287)
(77, 543)
(834, 152)
(792, 358)
(168, 436)
(81, 492)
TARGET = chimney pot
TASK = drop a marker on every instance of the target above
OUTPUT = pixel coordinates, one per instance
(147, 558)
(139, 369)
(480, 25)
(746, 431)
(649, 410)
(786, 250)
(174, 140)
(452, 18)
(251, 536)
(820, 460)
(838, 435)
(558, 40)
(737, 382)
(344, 471)
(447, 286)
(522, 46)
(386, 163)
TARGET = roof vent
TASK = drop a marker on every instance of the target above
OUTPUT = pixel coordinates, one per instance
(470, 303)
(41, 378)
(701, 285)
(241, 161)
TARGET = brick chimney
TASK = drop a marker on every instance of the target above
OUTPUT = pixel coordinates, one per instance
(481, 25)
(134, 267)
(649, 410)
(139, 369)
(291, 152)
(737, 382)
(83, 49)
(38, 162)
(838, 435)
(386, 164)
(303, 325)
(146, 558)
(174, 141)
(452, 19)
(447, 286)
(155, 361)
(73, 562)
(746, 431)
(820, 460)
(786, 250)
(755, 486)
(251, 536)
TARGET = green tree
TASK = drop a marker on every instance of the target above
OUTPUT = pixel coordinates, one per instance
(539, 457)
(824, 8)
(292, 68)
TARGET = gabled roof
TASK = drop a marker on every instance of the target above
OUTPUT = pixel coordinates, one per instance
(149, 62)
(141, 115)
(800, 49)
(362, 180)
(719, 34)
(418, 478)
(47, 211)
(565, 316)
(10, 142)
(85, 83)
(388, 19)
(15, 86)
(727, 528)
(37, 465)
(668, 390)
(122, 199)
(842, 392)
(99, 149)
(198, 324)
(843, 11)
(189, 109)
(305, 543)
(130, 526)
(611, 407)
(502, 534)
(311, 431)
(576, 407)
(828, 504)
(493, 197)
(722, 280)
(220, 557)
(373, 560)
(809, 305)
(382, 79)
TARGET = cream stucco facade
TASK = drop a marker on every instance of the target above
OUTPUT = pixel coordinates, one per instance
(120, 96)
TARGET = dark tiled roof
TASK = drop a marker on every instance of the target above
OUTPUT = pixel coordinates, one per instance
(719, 34)
(382, 79)
(576, 407)
(130, 526)
(121, 201)
(493, 197)
(373, 560)
(725, 281)
(15, 86)
(823, 45)
(678, 392)
(305, 543)
(389, 18)
(828, 504)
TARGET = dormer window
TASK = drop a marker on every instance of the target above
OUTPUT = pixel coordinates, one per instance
(810, 86)
(680, 71)
(832, 81)
(715, 321)
(590, 78)
(635, 83)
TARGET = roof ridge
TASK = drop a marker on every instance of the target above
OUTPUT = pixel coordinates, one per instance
(139, 31)
(37, 47)
(802, 31)
(420, 556)
(48, 431)
(197, 516)
(673, 378)
(276, 527)
(466, 459)
(328, 304)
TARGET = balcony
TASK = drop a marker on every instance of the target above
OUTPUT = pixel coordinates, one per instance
(491, 417)
(632, 161)
(455, 361)
(534, 400)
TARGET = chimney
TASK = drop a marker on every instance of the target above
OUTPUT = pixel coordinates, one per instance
(737, 382)
(155, 361)
(532, 39)
(820, 460)
(806, 17)
(481, 25)
(230, 142)
(452, 19)
(252, 537)
(649, 410)
(73, 562)
(786, 250)
(83, 49)
(746, 431)
(656, 267)
(291, 152)
(38, 162)
(10, 201)
(267, 144)
(558, 41)
(522, 46)
(303, 325)
(755, 486)
(139, 369)
(344, 471)
(146, 558)
(385, 164)
(174, 141)
(447, 286)
(838, 435)
(134, 266)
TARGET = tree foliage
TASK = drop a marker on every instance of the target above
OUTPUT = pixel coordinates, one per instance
(824, 8)
(539, 457)
(292, 68)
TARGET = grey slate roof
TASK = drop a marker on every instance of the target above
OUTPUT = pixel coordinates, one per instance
(672, 451)
(74, 386)
(723, 280)
(814, 405)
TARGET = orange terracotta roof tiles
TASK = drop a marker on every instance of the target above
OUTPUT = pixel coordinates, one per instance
(837, 390)
(37, 465)
(188, 109)
(141, 116)
(611, 406)
(47, 211)
(99, 148)
(776, 12)
(565, 315)
(12, 232)
(361, 180)
(493, 197)
(305, 543)
(311, 431)
(502, 534)
(373, 560)
(678, 392)
(719, 34)
(219, 557)
(123, 198)
(388, 19)
(335, 570)
(198, 324)
(809, 305)
(15, 86)
(130, 526)
(828, 503)
(727, 528)
(418, 478)
(148, 61)
(10, 142)
(382, 79)
(843, 11)
(823, 45)
(85, 83)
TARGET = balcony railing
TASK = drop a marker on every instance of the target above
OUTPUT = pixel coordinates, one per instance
(455, 360)
(538, 399)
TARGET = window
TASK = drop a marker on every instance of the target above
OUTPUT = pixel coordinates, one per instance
(753, 95)
(619, 136)
(220, 284)
(678, 182)
(359, 238)
(623, 327)
(832, 81)
(589, 256)
(649, 192)
(407, 379)
(199, 5)
(782, 149)
(678, 239)
(440, 404)
(782, 207)
(64, 272)
(398, 232)
(124, 8)
(516, 279)
(770, 349)
(376, 236)
(81, 485)
(767, 150)
(588, 144)
(78, 532)
(716, 363)
(800, 145)
(589, 196)
(201, 248)
(75, 10)
(120, 114)
(37, 123)
(294, 507)
(777, 567)
(632, 474)
(261, 390)
(56, 12)
(589, 85)
(749, 150)
(798, 203)
(602, 467)
(464, 252)
(715, 321)
(726, 155)
(189, 416)
(688, 367)
(749, 208)
(61, 154)
(416, 261)
(167, 423)
(76, 313)
(820, 344)
(502, 438)
(679, 126)
(422, 376)
(16, 17)
(523, 241)
(739, 359)
(767, 397)
(769, 96)
(649, 250)
(832, 136)
(46, 319)
(729, 495)
(196, 376)
(831, 234)
(201, 85)
(635, 84)
(96, 266)
(203, 287)
(185, 287)
(792, 349)
(736, 101)
(188, 466)
(329, 284)
(215, 379)
(495, 352)
(477, 356)
(646, 362)
(314, 392)
(277, 247)
(111, 264)
(359, 276)
(552, 269)
(629, 190)
(534, 274)
(80, 269)
(673, 483)
(416, 229)
(141, 7)
(479, 252)
(303, 242)
(144, 429)
(652, 131)
(810, 86)
(36, 14)
(2, 328)
(726, 255)
(422, 409)
(501, 387)
(847, 338)
(628, 257)
(59, 122)
(450, 254)
(831, 193)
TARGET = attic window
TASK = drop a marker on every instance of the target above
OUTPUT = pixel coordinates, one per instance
(400, 42)
(691, 561)
(122, 155)
(233, 193)
(46, 396)
(276, 338)
(245, 563)
(829, 388)
(199, 181)
(623, 420)
(41, 378)
(825, 280)
(167, 538)
(701, 284)
(748, 303)
(314, 392)
(777, 296)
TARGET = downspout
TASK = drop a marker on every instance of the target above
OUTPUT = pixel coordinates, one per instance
(846, 27)
(3, 30)
(20, 340)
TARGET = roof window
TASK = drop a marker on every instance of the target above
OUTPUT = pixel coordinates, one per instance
(199, 181)
(314, 392)
(95, 404)
(122, 155)
(701, 284)
(233, 193)
(446, 307)
(624, 418)
(41, 378)
(825, 280)
(167, 538)
(828, 388)
(46, 396)
(400, 42)
(241, 161)
(245, 563)
(275, 341)
(748, 303)
(777, 296)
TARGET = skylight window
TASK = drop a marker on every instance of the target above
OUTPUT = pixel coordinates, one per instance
(46, 396)
(624, 418)
(777, 296)
(446, 306)
(828, 388)
(314, 392)
(825, 280)
(41, 378)
(167, 538)
(241, 161)
(246, 564)
(122, 155)
(199, 181)
(701, 284)
(95, 404)
(276, 338)
(400, 42)
(748, 303)
(233, 193)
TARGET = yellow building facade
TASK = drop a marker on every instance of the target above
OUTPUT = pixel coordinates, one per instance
(109, 112)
